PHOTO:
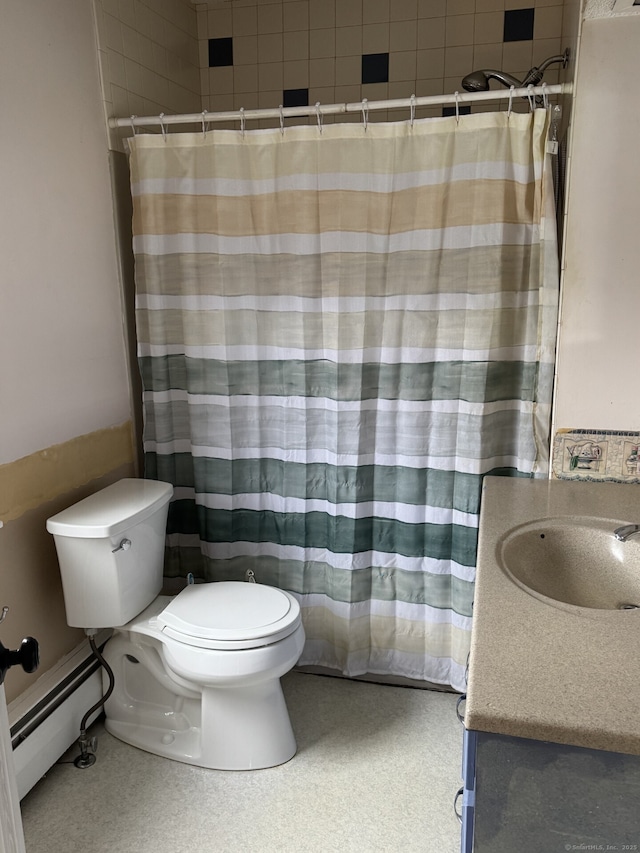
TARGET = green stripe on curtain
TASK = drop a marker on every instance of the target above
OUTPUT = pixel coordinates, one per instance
(320, 481)
(482, 382)
(340, 335)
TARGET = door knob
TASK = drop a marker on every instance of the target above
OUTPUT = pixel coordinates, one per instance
(28, 656)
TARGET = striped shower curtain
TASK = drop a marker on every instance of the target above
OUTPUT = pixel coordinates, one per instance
(341, 331)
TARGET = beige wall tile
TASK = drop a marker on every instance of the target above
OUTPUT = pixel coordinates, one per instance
(430, 63)
(431, 32)
(270, 48)
(375, 11)
(402, 35)
(322, 43)
(270, 18)
(295, 75)
(490, 5)
(487, 56)
(547, 22)
(432, 8)
(245, 50)
(375, 38)
(545, 48)
(459, 30)
(203, 53)
(112, 33)
(517, 57)
(375, 92)
(295, 15)
(322, 14)
(220, 102)
(347, 94)
(245, 21)
(402, 89)
(428, 87)
(488, 28)
(322, 95)
(269, 99)
(349, 13)
(403, 10)
(458, 61)
(322, 72)
(402, 66)
(461, 7)
(348, 70)
(245, 78)
(296, 45)
(248, 100)
(219, 23)
(270, 76)
(221, 80)
(348, 41)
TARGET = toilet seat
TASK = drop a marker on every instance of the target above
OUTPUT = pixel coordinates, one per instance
(229, 615)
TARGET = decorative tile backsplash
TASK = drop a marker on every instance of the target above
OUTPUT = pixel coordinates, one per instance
(589, 454)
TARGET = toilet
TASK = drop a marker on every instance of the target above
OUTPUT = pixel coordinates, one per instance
(197, 675)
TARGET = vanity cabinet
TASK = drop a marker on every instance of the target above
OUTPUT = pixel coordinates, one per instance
(552, 712)
(543, 797)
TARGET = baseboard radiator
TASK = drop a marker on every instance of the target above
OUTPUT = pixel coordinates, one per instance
(45, 719)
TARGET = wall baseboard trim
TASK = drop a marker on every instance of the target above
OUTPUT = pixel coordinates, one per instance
(45, 720)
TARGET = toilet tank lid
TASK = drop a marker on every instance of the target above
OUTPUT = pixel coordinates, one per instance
(111, 510)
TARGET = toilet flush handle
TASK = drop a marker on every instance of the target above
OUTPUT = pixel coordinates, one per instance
(124, 545)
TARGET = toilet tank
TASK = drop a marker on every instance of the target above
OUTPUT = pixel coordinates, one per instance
(111, 552)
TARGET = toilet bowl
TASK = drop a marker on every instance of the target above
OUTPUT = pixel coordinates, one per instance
(196, 676)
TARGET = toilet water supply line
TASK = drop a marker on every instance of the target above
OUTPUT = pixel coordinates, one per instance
(88, 744)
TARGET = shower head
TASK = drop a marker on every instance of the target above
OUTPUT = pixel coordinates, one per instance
(478, 81)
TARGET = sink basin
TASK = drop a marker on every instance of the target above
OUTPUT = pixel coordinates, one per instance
(574, 561)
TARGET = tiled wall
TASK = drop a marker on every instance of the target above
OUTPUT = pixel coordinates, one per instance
(590, 454)
(262, 53)
(148, 54)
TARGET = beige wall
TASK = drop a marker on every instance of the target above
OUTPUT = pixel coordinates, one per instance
(64, 386)
(148, 55)
(598, 352)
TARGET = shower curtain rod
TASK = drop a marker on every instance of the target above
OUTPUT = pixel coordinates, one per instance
(321, 110)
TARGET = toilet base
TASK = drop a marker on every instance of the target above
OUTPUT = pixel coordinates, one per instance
(246, 729)
(237, 722)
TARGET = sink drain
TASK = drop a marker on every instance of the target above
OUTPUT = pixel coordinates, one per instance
(629, 607)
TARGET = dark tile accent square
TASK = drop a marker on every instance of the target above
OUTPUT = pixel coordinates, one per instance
(375, 68)
(220, 52)
(295, 97)
(451, 111)
(518, 24)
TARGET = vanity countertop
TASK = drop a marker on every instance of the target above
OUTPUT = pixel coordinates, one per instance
(541, 671)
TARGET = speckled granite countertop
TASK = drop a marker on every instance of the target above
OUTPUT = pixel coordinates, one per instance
(539, 671)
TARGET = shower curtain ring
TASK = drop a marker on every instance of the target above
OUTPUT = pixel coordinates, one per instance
(412, 101)
(133, 127)
(545, 96)
(162, 127)
(242, 121)
(511, 91)
(319, 116)
(365, 113)
(281, 119)
(204, 130)
(531, 97)
(457, 96)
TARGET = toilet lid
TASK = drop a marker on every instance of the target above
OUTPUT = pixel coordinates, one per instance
(231, 612)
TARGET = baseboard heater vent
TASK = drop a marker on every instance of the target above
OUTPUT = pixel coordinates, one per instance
(45, 720)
